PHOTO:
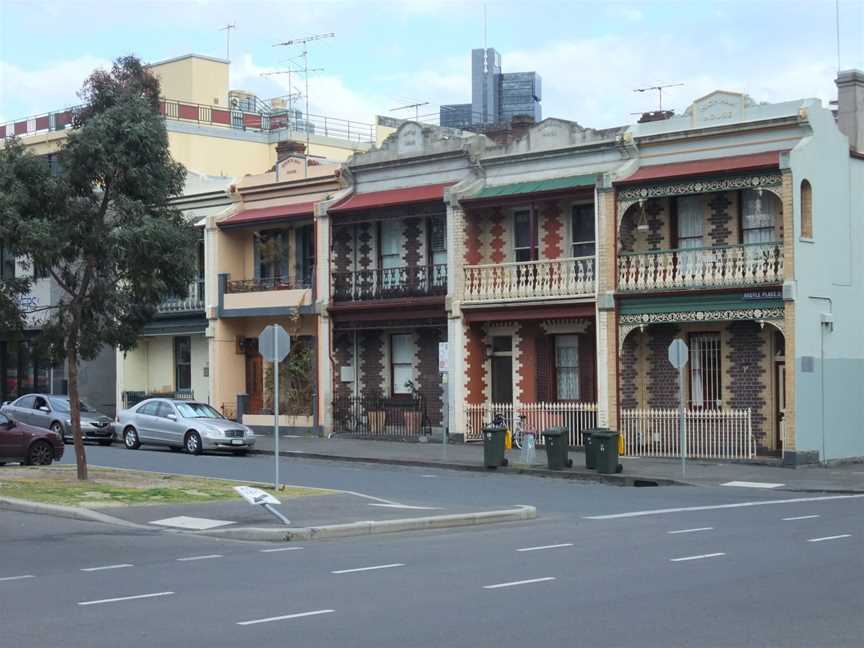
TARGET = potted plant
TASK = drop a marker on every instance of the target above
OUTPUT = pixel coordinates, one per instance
(413, 418)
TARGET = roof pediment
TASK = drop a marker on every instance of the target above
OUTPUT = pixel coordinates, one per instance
(718, 107)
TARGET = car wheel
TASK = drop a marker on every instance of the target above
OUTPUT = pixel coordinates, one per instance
(130, 438)
(58, 429)
(106, 442)
(40, 454)
(192, 443)
(2, 463)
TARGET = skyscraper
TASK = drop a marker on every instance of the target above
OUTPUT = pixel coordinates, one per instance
(495, 96)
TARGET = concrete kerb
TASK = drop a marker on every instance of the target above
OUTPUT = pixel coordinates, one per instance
(371, 527)
(71, 512)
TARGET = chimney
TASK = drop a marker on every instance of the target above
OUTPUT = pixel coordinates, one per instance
(288, 149)
(850, 107)
(520, 125)
(655, 115)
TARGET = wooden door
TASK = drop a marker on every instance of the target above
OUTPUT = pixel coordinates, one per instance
(254, 380)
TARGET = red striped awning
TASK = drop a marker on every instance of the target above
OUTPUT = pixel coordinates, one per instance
(769, 160)
(425, 193)
(270, 214)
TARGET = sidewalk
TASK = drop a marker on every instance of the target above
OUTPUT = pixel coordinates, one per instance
(847, 478)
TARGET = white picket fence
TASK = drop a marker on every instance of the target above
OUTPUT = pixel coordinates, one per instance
(711, 433)
(536, 417)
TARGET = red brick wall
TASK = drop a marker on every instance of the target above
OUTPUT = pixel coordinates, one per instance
(343, 351)
(526, 380)
(474, 371)
(627, 371)
(747, 384)
(429, 379)
(552, 234)
(496, 231)
(473, 252)
(372, 363)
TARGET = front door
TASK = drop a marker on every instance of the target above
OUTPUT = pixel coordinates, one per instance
(254, 379)
(502, 369)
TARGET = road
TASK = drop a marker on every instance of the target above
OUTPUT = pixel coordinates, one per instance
(602, 566)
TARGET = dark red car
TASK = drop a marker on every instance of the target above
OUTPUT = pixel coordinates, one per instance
(27, 444)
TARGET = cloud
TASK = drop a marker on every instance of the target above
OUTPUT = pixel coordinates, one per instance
(51, 86)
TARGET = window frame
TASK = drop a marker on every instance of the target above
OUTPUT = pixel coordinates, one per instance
(714, 380)
(402, 391)
(678, 220)
(178, 365)
(574, 209)
(531, 247)
(558, 368)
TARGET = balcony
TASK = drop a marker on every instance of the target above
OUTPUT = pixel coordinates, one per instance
(271, 295)
(529, 280)
(390, 283)
(193, 303)
(753, 264)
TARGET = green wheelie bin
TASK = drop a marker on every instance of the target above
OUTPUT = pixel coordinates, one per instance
(494, 437)
(587, 442)
(606, 451)
(556, 448)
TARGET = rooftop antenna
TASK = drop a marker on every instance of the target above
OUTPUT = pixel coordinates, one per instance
(659, 88)
(415, 106)
(227, 29)
(305, 54)
(293, 95)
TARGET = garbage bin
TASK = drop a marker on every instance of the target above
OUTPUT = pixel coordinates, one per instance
(590, 459)
(606, 451)
(556, 448)
(494, 437)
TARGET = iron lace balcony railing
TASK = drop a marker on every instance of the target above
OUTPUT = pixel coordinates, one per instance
(523, 280)
(192, 303)
(390, 283)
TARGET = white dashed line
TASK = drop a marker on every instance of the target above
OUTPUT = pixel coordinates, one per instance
(362, 569)
(285, 617)
(800, 517)
(835, 537)
(15, 578)
(699, 557)
(690, 530)
(540, 548)
(749, 484)
(406, 506)
(207, 557)
(522, 582)
(104, 567)
(126, 598)
(281, 549)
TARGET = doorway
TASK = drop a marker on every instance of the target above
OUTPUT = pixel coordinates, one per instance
(254, 376)
(780, 390)
(502, 369)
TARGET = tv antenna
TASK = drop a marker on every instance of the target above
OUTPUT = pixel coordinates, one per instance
(304, 42)
(293, 94)
(227, 29)
(659, 88)
(415, 106)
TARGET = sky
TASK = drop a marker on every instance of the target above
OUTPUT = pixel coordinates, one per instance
(386, 53)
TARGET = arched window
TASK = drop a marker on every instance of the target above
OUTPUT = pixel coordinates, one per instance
(806, 209)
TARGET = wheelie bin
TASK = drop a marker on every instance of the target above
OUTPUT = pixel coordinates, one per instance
(494, 437)
(556, 448)
(605, 444)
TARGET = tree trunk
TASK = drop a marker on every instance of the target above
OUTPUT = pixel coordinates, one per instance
(75, 413)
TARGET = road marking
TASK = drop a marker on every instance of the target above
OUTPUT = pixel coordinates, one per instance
(285, 617)
(14, 578)
(685, 509)
(365, 496)
(522, 582)
(205, 557)
(690, 530)
(800, 517)
(104, 567)
(699, 557)
(407, 506)
(187, 522)
(362, 569)
(837, 537)
(280, 549)
(433, 476)
(126, 598)
(749, 484)
(540, 548)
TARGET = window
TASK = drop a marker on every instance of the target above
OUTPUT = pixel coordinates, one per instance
(306, 255)
(39, 403)
(401, 357)
(582, 228)
(758, 215)
(691, 222)
(163, 410)
(25, 402)
(271, 254)
(523, 244)
(390, 252)
(806, 209)
(198, 410)
(567, 367)
(438, 241)
(183, 363)
(705, 375)
(148, 409)
(4, 421)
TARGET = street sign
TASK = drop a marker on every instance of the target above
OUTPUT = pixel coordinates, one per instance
(678, 353)
(256, 495)
(274, 333)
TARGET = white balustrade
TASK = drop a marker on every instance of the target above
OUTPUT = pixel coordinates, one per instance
(570, 277)
(535, 417)
(735, 265)
(711, 433)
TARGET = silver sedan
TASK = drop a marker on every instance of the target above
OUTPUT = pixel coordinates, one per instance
(53, 412)
(182, 424)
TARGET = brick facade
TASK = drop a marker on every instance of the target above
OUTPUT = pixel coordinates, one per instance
(526, 378)
(428, 377)
(372, 356)
(719, 225)
(628, 371)
(748, 382)
(657, 223)
(365, 246)
(342, 248)
(343, 356)
(412, 242)
(475, 361)
(473, 246)
(552, 231)
(663, 378)
(499, 250)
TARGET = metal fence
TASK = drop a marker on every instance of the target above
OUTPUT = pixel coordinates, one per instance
(389, 283)
(534, 417)
(711, 433)
(381, 418)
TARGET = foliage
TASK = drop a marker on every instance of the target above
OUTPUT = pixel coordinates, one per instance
(296, 379)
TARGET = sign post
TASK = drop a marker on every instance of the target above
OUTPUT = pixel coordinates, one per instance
(274, 344)
(258, 497)
(678, 358)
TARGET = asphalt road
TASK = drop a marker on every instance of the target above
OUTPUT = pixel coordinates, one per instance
(737, 567)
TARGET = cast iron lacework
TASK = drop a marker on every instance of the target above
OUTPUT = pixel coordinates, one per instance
(704, 316)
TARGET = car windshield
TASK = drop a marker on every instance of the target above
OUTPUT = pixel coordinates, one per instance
(197, 410)
(62, 405)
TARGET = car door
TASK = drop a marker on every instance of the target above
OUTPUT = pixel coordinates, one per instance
(170, 428)
(22, 409)
(41, 414)
(11, 439)
(145, 421)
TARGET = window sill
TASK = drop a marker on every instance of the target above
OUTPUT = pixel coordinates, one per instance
(806, 239)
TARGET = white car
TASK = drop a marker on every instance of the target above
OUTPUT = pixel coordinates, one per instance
(182, 424)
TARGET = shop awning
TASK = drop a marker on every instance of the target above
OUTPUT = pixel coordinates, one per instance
(392, 197)
(713, 166)
(536, 186)
(269, 214)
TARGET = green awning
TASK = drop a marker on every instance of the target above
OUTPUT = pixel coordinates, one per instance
(520, 188)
